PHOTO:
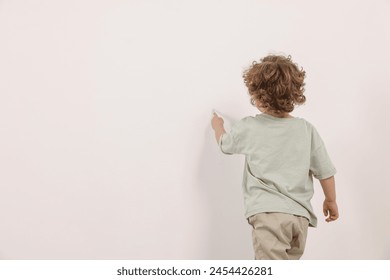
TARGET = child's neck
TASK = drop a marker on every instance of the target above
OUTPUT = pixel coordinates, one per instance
(281, 115)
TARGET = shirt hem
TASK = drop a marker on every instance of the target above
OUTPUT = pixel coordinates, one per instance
(287, 211)
(326, 175)
(220, 145)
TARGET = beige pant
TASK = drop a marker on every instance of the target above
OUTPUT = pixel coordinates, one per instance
(278, 236)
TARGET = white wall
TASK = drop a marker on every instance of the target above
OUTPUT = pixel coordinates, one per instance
(106, 148)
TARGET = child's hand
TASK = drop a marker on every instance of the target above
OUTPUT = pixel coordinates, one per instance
(331, 211)
(216, 122)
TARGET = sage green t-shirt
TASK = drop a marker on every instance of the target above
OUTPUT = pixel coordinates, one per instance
(281, 157)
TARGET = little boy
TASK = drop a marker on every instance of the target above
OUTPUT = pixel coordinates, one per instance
(282, 154)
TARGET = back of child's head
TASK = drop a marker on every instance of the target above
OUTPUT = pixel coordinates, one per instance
(275, 83)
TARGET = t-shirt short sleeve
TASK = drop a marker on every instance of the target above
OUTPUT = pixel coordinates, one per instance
(320, 164)
(232, 142)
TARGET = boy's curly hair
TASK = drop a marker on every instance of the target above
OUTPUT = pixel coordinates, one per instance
(276, 82)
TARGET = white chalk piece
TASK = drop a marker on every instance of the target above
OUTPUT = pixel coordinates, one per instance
(218, 113)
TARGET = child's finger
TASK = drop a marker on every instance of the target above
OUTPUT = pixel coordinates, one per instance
(334, 216)
(330, 219)
(326, 212)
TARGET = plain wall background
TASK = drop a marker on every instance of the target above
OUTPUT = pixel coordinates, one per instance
(106, 147)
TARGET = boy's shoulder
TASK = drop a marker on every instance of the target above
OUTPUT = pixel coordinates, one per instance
(245, 121)
(308, 123)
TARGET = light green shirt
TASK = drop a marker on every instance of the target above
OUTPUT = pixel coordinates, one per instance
(281, 157)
